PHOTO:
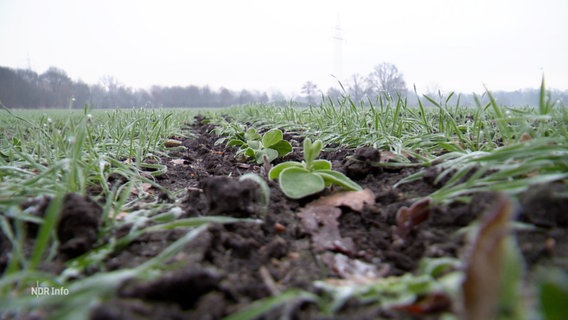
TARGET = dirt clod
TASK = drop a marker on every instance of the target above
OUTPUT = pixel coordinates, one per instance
(232, 197)
(78, 225)
(546, 205)
(362, 163)
(183, 287)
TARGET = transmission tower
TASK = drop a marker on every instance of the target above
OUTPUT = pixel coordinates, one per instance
(338, 51)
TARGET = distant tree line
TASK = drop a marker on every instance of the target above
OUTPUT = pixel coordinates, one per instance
(23, 88)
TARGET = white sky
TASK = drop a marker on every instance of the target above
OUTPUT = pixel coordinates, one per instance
(450, 45)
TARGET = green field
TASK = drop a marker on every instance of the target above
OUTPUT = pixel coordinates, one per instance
(479, 148)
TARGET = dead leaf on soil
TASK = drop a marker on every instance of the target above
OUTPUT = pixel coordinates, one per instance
(143, 188)
(171, 143)
(118, 215)
(177, 162)
(320, 219)
(389, 156)
(432, 303)
(408, 218)
(146, 174)
(321, 223)
(355, 200)
(348, 268)
(345, 283)
(525, 137)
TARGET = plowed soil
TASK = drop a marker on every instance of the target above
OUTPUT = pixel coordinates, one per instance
(231, 265)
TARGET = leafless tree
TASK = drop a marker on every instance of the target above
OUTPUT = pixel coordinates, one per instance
(385, 79)
(310, 90)
(356, 87)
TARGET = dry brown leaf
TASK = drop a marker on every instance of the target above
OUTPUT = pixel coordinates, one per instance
(177, 162)
(118, 215)
(143, 188)
(355, 200)
(320, 219)
(171, 143)
(432, 303)
(525, 137)
(408, 218)
(321, 223)
(389, 156)
(348, 268)
(350, 282)
(485, 261)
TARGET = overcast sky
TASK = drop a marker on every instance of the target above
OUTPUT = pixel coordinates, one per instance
(449, 45)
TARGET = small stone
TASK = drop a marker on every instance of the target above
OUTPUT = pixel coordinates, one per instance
(279, 228)
(171, 143)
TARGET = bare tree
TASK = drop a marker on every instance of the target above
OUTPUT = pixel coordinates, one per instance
(110, 83)
(310, 89)
(356, 87)
(386, 79)
(333, 94)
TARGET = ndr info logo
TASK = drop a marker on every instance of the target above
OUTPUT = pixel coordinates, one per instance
(38, 290)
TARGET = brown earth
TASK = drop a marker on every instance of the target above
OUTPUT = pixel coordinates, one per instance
(231, 265)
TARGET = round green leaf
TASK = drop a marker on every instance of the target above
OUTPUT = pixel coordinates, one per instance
(249, 152)
(283, 147)
(254, 144)
(271, 137)
(271, 154)
(275, 171)
(251, 134)
(235, 142)
(339, 179)
(321, 165)
(297, 182)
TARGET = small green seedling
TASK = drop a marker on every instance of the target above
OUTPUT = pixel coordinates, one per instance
(270, 145)
(298, 180)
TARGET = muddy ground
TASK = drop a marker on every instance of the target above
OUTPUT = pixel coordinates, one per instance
(229, 266)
